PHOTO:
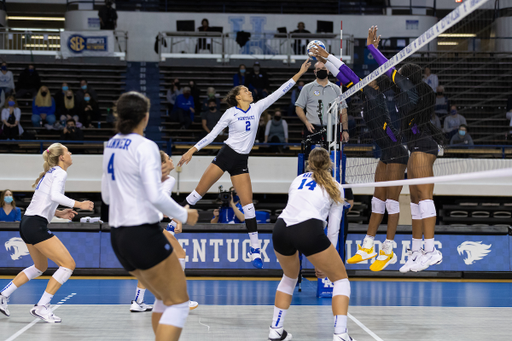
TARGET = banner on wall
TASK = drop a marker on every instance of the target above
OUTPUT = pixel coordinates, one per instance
(87, 44)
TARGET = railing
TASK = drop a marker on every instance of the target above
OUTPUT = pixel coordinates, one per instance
(224, 46)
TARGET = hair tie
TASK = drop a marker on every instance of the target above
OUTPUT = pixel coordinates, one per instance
(47, 151)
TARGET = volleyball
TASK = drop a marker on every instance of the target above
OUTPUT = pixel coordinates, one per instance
(312, 45)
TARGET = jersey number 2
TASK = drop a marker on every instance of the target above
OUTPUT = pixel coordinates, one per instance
(110, 168)
(311, 184)
(247, 125)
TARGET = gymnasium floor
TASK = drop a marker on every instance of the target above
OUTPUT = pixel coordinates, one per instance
(98, 309)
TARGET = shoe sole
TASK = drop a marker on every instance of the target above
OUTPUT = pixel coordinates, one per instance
(192, 308)
(42, 318)
(349, 262)
(3, 312)
(393, 260)
(429, 265)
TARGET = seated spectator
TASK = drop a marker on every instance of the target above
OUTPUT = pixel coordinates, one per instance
(434, 119)
(84, 87)
(211, 94)
(232, 214)
(2, 98)
(71, 132)
(108, 16)
(431, 79)
(196, 94)
(442, 104)
(462, 137)
(204, 43)
(8, 209)
(257, 81)
(6, 79)
(210, 117)
(28, 82)
(239, 77)
(68, 110)
(452, 122)
(276, 131)
(11, 116)
(184, 108)
(43, 108)
(88, 111)
(172, 93)
(262, 126)
(295, 95)
(299, 45)
(59, 96)
(509, 114)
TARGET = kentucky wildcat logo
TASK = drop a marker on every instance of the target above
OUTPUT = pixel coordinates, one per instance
(17, 247)
(474, 251)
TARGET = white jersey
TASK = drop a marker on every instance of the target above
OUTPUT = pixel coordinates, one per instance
(49, 194)
(132, 183)
(243, 125)
(307, 200)
(167, 186)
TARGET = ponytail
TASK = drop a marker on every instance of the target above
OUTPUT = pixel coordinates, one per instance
(231, 96)
(320, 164)
(51, 159)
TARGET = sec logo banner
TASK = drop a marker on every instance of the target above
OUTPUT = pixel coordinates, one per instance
(76, 43)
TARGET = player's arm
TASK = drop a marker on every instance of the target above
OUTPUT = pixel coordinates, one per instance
(56, 195)
(333, 229)
(105, 191)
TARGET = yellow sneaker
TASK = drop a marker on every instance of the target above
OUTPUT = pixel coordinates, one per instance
(383, 261)
(362, 255)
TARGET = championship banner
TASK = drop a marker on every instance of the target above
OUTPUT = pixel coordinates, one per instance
(87, 44)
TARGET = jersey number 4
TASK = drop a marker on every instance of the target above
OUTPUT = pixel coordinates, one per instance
(110, 168)
(311, 184)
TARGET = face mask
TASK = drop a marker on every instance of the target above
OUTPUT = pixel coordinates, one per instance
(4, 68)
(321, 74)
(71, 127)
(453, 112)
(277, 118)
(212, 108)
(211, 95)
(177, 83)
(462, 132)
(84, 87)
(440, 93)
(44, 93)
(87, 99)
(256, 68)
(69, 97)
(242, 71)
(300, 87)
(11, 103)
(65, 88)
(8, 199)
(186, 95)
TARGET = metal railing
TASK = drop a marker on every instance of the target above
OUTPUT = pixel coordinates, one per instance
(216, 45)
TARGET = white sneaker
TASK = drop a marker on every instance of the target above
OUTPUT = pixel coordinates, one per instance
(140, 307)
(192, 305)
(45, 313)
(278, 334)
(3, 305)
(411, 260)
(427, 259)
(342, 337)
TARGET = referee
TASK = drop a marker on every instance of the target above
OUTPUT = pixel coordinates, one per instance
(321, 90)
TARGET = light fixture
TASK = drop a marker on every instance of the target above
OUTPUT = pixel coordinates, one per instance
(36, 29)
(42, 37)
(37, 18)
(57, 46)
(457, 35)
(447, 43)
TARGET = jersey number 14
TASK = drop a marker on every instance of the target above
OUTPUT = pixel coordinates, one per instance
(311, 185)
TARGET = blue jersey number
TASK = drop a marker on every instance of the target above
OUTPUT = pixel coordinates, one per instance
(39, 183)
(311, 184)
(110, 168)
(247, 125)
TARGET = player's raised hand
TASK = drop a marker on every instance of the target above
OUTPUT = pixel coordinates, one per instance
(185, 159)
(319, 51)
(305, 66)
(373, 39)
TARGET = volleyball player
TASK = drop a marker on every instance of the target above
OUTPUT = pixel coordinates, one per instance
(242, 118)
(168, 182)
(391, 165)
(131, 185)
(415, 102)
(42, 244)
(311, 198)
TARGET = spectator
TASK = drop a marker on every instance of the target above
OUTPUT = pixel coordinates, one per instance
(88, 111)
(2, 98)
(8, 210)
(59, 97)
(239, 77)
(257, 82)
(462, 137)
(232, 214)
(6, 79)
(442, 104)
(28, 82)
(196, 94)
(431, 79)
(211, 94)
(434, 119)
(210, 117)
(295, 95)
(108, 16)
(11, 116)
(299, 46)
(68, 110)
(71, 132)
(276, 131)
(173, 92)
(509, 113)
(452, 122)
(43, 108)
(204, 43)
(184, 108)
(84, 87)
(262, 126)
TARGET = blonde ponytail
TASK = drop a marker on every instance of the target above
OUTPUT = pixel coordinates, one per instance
(51, 159)
(320, 164)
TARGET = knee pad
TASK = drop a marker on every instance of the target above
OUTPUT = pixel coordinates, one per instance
(287, 285)
(159, 306)
(175, 315)
(32, 272)
(415, 211)
(427, 209)
(392, 206)
(378, 206)
(341, 288)
(62, 274)
(249, 211)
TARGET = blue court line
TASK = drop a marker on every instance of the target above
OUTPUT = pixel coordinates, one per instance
(233, 292)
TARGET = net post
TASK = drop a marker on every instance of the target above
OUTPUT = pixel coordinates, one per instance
(341, 40)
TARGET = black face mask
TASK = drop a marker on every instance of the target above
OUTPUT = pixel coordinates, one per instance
(321, 74)
(277, 118)
(44, 93)
(177, 83)
(69, 97)
(212, 108)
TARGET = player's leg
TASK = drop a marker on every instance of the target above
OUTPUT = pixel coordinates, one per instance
(138, 304)
(210, 177)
